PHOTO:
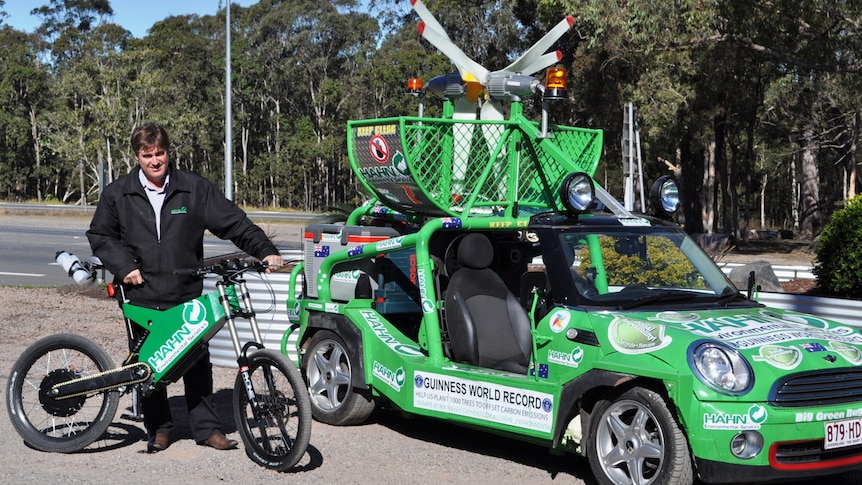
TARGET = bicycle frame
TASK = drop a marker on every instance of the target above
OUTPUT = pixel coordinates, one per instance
(164, 344)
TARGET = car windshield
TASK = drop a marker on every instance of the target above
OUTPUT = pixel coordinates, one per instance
(634, 266)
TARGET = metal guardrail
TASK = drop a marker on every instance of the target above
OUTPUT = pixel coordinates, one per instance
(783, 273)
(55, 209)
(838, 309)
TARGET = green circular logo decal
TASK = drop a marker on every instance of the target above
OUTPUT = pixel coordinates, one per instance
(631, 336)
(781, 357)
(757, 413)
(852, 354)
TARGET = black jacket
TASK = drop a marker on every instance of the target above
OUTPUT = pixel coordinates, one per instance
(123, 235)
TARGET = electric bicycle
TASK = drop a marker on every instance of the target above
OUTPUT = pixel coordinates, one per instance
(64, 390)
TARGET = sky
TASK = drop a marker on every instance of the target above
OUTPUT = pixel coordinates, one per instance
(136, 16)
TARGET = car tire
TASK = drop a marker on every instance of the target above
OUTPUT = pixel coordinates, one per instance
(633, 438)
(328, 369)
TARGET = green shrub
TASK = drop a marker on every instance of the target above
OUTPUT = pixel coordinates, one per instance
(838, 265)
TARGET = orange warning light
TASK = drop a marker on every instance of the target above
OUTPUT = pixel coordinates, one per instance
(556, 84)
(414, 85)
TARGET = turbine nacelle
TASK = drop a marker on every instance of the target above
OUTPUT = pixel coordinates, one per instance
(506, 85)
(452, 86)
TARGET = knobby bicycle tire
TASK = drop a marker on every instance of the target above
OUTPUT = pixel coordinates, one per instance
(59, 425)
(279, 439)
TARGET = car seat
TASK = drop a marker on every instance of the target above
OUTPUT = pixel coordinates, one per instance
(487, 325)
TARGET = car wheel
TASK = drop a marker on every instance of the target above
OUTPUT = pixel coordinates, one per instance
(634, 439)
(329, 371)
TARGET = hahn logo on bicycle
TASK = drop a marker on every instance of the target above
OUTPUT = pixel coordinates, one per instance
(194, 318)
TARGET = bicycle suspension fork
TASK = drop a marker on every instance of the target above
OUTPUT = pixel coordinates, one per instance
(239, 305)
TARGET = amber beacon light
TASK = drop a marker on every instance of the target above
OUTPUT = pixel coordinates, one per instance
(556, 86)
(414, 85)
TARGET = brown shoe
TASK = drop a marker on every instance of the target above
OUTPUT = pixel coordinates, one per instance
(159, 442)
(219, 442)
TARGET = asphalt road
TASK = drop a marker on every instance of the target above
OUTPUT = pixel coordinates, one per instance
(29, 244)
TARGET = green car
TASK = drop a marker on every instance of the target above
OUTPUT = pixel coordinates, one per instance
(493, 283)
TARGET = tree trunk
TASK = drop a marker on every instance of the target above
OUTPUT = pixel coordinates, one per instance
(691, 165)
(748, 169)
(795, 186)
(722, 201)
(810, 217)
(708, 195)
(34, 138)
(850, 166)
(763, 180)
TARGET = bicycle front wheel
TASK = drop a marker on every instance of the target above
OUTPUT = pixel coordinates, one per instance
(276, 436)
(59, 425)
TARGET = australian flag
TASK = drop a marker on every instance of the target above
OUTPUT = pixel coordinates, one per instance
(451, 222)
(813, 347)
(321, 251)
(543, 371)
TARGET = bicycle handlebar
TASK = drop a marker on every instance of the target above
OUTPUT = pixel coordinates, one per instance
(84, 272)
(226, 267)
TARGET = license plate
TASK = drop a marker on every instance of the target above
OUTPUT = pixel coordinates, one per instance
(847, 432)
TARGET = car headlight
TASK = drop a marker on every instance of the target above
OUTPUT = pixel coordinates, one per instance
(577, 192)
(664, 196)
(721, 368)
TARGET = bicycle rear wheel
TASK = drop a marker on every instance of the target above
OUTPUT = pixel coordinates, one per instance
(59, 425)
(278, 436)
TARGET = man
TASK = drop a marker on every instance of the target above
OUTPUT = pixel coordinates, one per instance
(150, 223)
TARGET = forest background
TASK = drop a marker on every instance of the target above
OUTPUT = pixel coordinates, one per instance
(754, 105)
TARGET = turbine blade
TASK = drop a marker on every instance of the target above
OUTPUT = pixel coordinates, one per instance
(462, 136)
(470, 70)
(492, 109)
(426, 16)
(541, 46)
(542, 62)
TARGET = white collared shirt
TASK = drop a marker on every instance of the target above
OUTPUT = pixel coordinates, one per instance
(157, 198)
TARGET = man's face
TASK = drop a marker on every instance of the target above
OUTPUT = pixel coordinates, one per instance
(154, 163)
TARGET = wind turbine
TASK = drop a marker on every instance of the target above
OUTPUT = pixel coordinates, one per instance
(530, 62)
(493, 84)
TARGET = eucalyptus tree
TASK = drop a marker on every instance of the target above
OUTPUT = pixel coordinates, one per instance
(260, 90)
(184, 57)
(23, 89)
(311, 53)
(66, 23)
(702, 73)
(813, 49)
(89, 121)
(80, 46)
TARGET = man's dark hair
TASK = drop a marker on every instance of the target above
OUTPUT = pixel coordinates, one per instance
(149, 135)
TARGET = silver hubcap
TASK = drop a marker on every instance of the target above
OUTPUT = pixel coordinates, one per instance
(328, 376)
(630, 444)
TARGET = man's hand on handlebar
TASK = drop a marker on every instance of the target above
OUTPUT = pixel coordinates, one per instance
(273, 262)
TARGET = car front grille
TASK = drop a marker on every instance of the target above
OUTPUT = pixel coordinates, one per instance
(801, 453)
(819, 388)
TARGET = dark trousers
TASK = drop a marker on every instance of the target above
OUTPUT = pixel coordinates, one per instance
(203, 420)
